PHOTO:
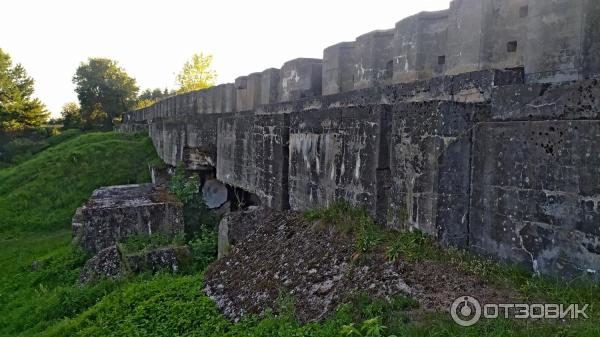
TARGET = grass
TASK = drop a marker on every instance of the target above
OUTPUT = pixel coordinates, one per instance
(43, 192)
(15, 150)
(39, 196)
(348, 220)
(143, 243)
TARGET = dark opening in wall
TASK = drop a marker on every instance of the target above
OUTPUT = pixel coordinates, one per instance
(511, 46)
(524, 11)
(389, 70)
(442, 59)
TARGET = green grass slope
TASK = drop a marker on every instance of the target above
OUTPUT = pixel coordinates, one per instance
(42, 193)
(37, 200)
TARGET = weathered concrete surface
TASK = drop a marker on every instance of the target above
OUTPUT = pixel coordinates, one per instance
(373, 59)
(114, 213)
(191, 139)
(300, 78)
(535, 195)
(106, 264)
(253, 152)
(235, 226)
(111, 263)
(132, 127)
(559, 36)
(430, 168)
(420, 46)
(339, 153)
(338, 64)
(269, 82)
(567, 100)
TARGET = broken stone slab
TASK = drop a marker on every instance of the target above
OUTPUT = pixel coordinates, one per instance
(235, 226)
(165, 258)
(106, 264)
(111, 263)
(115, 213)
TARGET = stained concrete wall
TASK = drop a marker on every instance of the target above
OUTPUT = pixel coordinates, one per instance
(339, 153)
(253, 155)
(338, 68)
(372, 54)
(478, 160)
(300, 78)
(430, 168)
(535, 195)
(554, 35)
(191, 139)
(420, 44)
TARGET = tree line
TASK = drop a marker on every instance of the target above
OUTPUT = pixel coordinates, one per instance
(104, 91)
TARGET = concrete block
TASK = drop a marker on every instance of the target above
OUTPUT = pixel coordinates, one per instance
(168, 137)
(253, 93)
(465, 32)
(241, 93)
(535, 195)
(229, 97)
(338, 68)
(420, 46)
(253, 155)
(200, 142)
(373, 54)
(545, 101)
(234, 227)
(554, 36)
(115, 213)
(269, 83)
(337, 154)
(430, 168)
(300, 78)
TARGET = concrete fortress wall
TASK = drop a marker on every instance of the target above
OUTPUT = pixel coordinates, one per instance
(551, 41)
(439, 124)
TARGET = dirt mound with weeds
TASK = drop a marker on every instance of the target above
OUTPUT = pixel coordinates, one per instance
(317, 268)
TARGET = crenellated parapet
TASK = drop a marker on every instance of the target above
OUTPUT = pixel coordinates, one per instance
(551, 41)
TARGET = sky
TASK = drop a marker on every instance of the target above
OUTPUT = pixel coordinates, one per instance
(152, 39)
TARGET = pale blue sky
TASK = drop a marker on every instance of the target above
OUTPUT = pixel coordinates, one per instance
(152, 39)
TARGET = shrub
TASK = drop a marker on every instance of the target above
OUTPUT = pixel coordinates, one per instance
(349, 220)
(196, 214)
(203, 248)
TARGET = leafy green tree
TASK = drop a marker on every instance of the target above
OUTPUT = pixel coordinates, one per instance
(105, 91)
(155, 94)
(71, 116)
(149, 97)
(18, 109)
(196, 74)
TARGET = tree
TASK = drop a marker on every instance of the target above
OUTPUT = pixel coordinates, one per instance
(105, 91)
(196, 74)
(18, 109)
(149, 97)
(155, 94)
(71, 115)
